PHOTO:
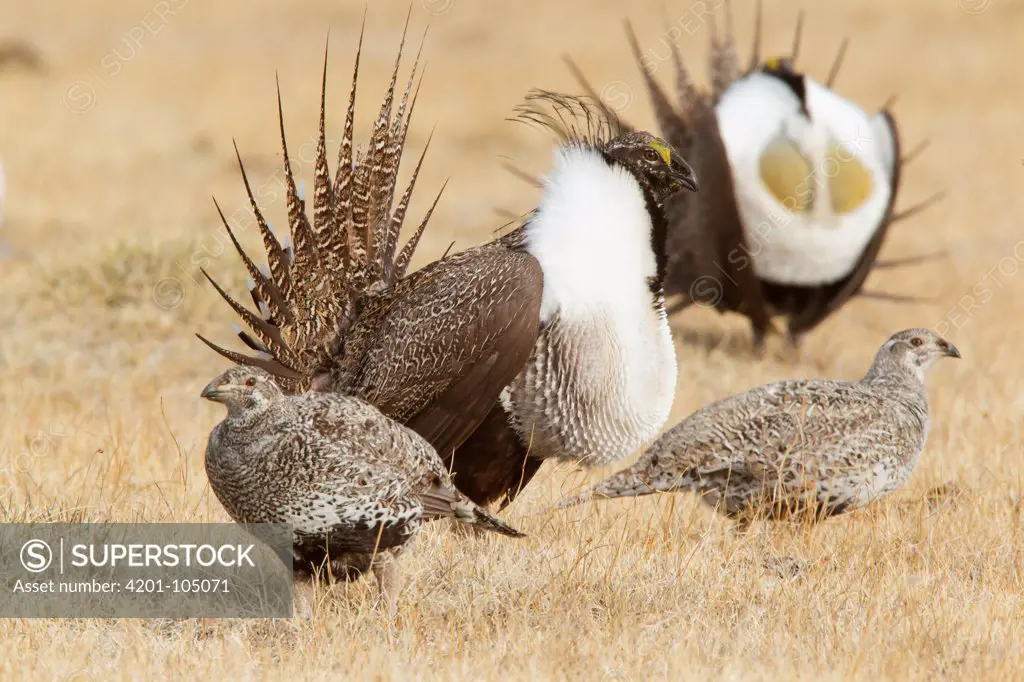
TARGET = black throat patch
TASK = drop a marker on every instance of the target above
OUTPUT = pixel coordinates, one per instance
(659, 235)
(784, 71)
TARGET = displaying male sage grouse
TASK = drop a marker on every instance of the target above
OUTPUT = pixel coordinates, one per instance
(810, 448)
(800, 183)
(354, 485)
(551, 341)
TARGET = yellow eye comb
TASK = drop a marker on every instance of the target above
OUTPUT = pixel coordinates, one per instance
(663, 151)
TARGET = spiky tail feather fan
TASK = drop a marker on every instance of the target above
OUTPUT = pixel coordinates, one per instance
(314, 288)
(805, 309)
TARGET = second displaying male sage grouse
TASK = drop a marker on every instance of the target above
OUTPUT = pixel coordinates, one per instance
(354, 485)
(801, 187)
(549, 342)
(809, 448)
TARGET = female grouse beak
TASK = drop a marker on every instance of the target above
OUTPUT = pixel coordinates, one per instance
(951, 351)
(211, 392)
(680, 171)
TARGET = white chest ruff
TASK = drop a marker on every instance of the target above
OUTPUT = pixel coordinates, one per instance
(595, 390)
(601, 380)
(818, 245)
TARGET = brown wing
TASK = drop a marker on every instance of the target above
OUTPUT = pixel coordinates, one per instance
(455, 334)
(493, 463)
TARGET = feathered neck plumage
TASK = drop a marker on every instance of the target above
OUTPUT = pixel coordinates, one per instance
(592, 232)
(252, 413)
(887, 370)
(584, 125)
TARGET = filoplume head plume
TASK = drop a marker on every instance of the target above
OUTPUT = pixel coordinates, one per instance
(574, 119)
(583, 121)
(800, 186)
(315, 286)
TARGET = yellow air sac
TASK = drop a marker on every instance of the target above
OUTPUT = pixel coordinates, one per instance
(786, 173)
(849, 182)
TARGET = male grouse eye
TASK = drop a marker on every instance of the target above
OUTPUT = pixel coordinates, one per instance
(250, 381)
(916, 341)
(651, 155)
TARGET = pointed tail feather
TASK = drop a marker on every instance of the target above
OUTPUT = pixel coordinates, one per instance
(837, 63)
(798, 35)
(402, 262)
(909, 260)
(900, 216)
(470, 513)
(755, 47)
(323, 211)
(388, 237)
(673, 127)
(623, 484)
(264, 290)
(298, 224)
(383, 161)
(268, 334)
(442, 500)
(915, 152)
(686, 91)
(724, 62)
(284, 375)
(278, 258)
(389, 243)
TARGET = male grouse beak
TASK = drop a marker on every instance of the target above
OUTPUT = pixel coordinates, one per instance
(680, 171)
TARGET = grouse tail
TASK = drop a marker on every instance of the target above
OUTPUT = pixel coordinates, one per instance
(314, 284)
(626, 483)
(469, 512)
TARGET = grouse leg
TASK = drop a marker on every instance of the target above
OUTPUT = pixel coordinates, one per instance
(385, 570)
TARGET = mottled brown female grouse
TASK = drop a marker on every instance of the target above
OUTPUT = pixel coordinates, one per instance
(354, 485)
(810, 448)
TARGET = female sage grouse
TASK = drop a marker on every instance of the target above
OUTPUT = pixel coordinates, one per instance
(354, 485)
(551, 341)
(811, 448)
(801, 185)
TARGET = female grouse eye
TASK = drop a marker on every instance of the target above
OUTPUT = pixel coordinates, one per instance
(916, 341)
(251, 381)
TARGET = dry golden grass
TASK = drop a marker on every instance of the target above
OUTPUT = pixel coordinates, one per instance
(111, 156)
